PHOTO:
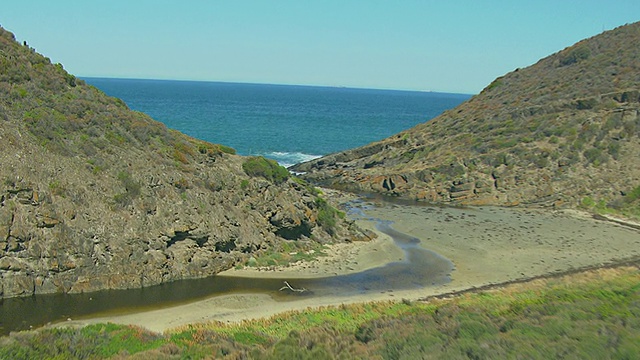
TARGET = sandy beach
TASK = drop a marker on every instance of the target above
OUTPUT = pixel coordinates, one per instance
(487, 245)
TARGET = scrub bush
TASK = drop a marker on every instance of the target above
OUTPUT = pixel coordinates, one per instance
(259, 166)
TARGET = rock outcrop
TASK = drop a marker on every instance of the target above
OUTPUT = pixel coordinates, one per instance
(562, 131)
(95, 196)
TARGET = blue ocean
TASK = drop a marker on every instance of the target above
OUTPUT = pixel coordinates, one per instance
(287, 123)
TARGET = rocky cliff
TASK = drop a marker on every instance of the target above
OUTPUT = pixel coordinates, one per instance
(562, 132)
(95, 196)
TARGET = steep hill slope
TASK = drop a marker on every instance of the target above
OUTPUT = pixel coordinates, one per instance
(95, 196)
(561, 132)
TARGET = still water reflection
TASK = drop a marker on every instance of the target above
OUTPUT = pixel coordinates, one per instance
(419, 268)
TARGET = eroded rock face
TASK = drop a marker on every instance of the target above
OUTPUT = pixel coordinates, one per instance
(292, 223)
(389, 183)
(83, 240)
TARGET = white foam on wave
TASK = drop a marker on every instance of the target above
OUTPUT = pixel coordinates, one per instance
(288, 159)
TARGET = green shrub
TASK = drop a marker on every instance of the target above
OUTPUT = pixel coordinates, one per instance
(585, 104)
(613, 148)
(633, 195)
(57, 188)
(327, 215)
(182, 151)
(494, 84)
(227, 149)
(595, 156)
(450, 170)
(214, 149)
(504, 142)
(310, 188)
(574, 55)
(130, 185)
(259, 166)
(181, 184)
(132, 189)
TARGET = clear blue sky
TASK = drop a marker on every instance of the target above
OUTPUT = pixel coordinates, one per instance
(451, 46)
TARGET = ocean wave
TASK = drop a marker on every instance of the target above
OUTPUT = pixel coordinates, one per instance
(288, 159)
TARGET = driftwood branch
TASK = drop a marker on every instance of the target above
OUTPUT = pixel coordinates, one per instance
(291, 288)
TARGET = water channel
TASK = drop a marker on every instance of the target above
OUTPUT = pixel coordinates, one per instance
(419, 268)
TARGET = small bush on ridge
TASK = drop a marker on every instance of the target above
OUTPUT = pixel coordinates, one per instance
(259, 166)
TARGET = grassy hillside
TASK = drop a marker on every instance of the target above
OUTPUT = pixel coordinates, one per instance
(594, 315)
(555, 133)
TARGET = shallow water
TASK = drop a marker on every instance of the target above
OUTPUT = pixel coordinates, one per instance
(419, 268)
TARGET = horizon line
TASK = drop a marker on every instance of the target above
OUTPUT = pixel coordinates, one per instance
(275, 84)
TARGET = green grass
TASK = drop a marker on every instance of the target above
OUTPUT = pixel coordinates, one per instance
(288, 252)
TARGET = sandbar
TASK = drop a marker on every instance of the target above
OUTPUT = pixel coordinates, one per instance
(488, 245)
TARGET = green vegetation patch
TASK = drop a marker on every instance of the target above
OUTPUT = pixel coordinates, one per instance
(214, 149)
(494, 84)
(310, 188)
(132, 189)
(574, 54)
(92, 341)
(287, 252)
(328, 215)
(259, 166)
(628, 205)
